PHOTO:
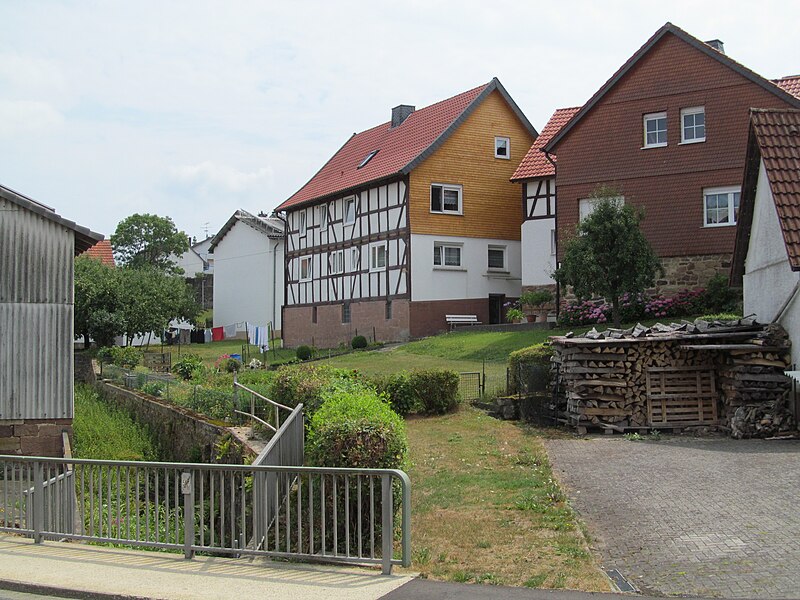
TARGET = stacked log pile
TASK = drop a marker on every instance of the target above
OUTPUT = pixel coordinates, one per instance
(602, 377)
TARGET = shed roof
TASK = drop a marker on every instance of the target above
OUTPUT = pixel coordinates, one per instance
(536, 163)
(774, 139)
(398, 149)
(781, 91)
(84, 237)
(103, 252)
(269, 226)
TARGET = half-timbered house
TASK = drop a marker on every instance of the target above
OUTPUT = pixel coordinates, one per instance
(537, 174)
(408, 222)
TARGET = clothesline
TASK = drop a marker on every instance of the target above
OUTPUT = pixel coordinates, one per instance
(257, 335)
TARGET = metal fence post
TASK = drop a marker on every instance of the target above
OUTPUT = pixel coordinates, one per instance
(187, 487)
(387, 529)
(38, 502)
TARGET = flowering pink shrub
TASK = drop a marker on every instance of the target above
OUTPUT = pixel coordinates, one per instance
(633, 307)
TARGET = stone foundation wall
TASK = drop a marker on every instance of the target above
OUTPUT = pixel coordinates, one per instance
(34, 437)
(682, 272)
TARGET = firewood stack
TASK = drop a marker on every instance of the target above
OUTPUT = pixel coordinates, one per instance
(603, 377)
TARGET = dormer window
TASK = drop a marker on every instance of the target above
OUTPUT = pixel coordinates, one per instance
(502, 147)
(367, 159)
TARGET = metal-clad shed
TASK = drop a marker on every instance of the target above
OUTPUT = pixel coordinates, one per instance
(37, 251)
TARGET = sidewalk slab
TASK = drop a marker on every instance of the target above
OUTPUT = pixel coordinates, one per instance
(103, 571)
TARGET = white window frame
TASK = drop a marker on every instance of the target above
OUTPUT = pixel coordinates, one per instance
(508, 147)
(693, 110)
(654, 117)
(323, 217)
(718, 191)
(374, 254)
(346, 217)
(449, 187)
(301, 223)
(439, 250)
(354, 256)
(497, 248)
(586, 206)
(336, 262)
(309, 262)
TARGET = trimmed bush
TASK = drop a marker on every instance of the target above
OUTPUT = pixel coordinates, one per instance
(719, 297)
(436, 389)
(306, 384)
(355, 428)
(399, 390)
(358, 342)
(126, 357)
(538, 354)
(303, 352)
(187, 365)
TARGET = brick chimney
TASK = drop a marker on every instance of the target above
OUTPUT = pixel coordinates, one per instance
(717, 45)
(400, 113)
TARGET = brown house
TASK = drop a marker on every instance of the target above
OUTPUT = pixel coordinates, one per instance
(669, 132)
(409, 221)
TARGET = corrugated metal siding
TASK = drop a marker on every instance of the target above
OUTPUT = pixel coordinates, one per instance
(36, 257)
(36, 316)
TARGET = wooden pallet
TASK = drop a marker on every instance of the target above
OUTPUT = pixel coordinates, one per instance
(681, 396)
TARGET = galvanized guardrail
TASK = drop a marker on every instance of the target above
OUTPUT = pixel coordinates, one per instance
(318, 513)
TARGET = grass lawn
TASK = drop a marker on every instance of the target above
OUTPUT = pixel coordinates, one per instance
(211, 352)
(486, 509)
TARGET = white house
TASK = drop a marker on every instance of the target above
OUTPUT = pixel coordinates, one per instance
(248, 271)
(767, 254)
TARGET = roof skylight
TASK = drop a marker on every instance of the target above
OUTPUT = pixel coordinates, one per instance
(367, 159)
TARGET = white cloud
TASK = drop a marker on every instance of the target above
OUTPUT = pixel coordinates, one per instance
(210, 176)
(19, 117)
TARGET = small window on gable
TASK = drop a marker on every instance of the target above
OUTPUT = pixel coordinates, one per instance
(693, 125)
(305, 268)
(301, 222)
(377, 257)
(721, 206)
(655, 130)
(446, 199)
(337, 262)
(368, 158)
(497, 258)
(323, 217)
(502, 147)
(586, 206)
(349, 210)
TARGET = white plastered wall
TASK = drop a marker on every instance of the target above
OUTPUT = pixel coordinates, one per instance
(538, 260)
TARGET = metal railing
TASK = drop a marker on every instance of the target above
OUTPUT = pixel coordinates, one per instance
(262, 409)
(319, 513)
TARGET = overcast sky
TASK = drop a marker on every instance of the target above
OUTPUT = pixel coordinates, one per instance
(194, 109)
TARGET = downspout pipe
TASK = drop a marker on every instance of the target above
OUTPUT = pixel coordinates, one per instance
(555, 234)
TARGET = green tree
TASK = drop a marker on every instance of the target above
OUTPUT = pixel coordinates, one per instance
(609, 254)
(96, 301)
(149, 299)
(144, 240)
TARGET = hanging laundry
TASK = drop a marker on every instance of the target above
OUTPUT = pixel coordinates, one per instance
(230, 331)
(217, 334)
(208, 337)
(258, 335)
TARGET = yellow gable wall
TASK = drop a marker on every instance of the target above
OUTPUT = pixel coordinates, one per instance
(492, 205)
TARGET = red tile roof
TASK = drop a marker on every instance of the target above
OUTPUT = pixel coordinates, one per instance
(399, 149)
(535, 163)
(790, 84)
(102, 251)
(777, 133)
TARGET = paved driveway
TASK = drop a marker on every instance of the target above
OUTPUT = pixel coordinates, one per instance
(702, 517)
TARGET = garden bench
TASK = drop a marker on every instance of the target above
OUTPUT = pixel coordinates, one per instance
(454, 320)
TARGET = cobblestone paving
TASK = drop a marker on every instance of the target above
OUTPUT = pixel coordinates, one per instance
(701, 517)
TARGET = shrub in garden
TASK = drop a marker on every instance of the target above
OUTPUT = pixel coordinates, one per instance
(355, 428)
(228, 364)
(399, 390)
(303, 352)
(305, 384)
(154, 388)
(719, 297)
(186, 366)
(358, 342)
(538, 354)
(437, 390)
(126, 357)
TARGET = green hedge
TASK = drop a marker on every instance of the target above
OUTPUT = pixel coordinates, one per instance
(399, 390)
(436, 390)
(305, 384)
(538, 354)
(355, 428)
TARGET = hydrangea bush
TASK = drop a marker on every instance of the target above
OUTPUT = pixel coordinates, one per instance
(634, 307)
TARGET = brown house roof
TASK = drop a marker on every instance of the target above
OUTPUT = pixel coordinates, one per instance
(536, 163)
(791, 84)
(103, 252)
(779, 90)
(399, 149)
(775, 139)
